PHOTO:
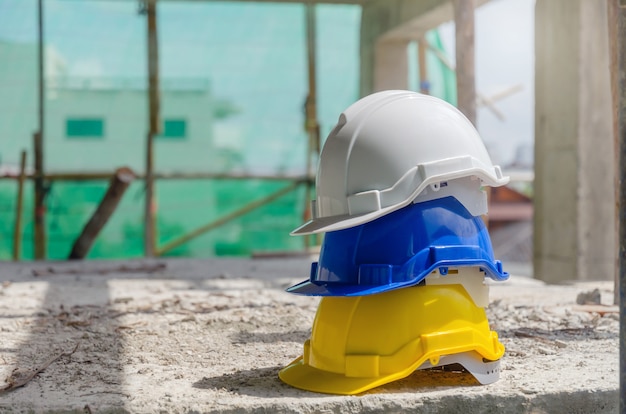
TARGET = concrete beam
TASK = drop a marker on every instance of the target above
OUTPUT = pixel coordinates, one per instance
(574, 188)
(386, 24)
(353, 2)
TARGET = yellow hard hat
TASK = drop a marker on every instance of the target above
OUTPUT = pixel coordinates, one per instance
(358, 343)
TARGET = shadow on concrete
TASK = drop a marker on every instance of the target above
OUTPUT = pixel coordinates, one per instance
(257, 382)
(60, 314)
(264, 383)
(66, 336)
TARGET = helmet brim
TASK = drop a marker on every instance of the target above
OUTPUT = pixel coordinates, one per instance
(333, 223)
(375, 257)
(344, 221)
(309, 288)
(305, 377)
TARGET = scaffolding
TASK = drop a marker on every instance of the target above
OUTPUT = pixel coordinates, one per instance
(42, 178)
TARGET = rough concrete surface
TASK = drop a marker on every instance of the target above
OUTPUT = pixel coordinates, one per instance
(187, 336)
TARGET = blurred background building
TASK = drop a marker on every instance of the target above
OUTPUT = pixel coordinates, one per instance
(233, 83)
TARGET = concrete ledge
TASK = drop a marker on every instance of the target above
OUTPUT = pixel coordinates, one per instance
(187, 336)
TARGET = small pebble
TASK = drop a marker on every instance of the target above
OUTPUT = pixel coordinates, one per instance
(545, 351)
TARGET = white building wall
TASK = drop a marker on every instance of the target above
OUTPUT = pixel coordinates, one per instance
(124, 113)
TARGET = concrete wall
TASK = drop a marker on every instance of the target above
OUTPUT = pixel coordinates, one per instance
(574, 188)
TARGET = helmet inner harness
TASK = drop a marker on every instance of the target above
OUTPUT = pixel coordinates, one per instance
(405, 254)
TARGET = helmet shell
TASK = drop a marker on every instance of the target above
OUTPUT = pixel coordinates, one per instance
(358, 343)
(401, 249)
(385, 150)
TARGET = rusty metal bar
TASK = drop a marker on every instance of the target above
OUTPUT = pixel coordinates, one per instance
(153, 127)
(17, 232)
(228, 217)
(38, 137)
(117, 187)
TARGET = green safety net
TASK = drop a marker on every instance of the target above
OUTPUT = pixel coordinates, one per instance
(234, 83)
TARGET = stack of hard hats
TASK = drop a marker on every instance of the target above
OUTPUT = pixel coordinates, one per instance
(403, 263)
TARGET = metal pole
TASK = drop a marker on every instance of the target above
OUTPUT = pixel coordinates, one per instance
(40, 191)
(311, 125)
(153, 128)
(17, 233)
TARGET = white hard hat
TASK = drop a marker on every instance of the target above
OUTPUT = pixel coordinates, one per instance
(387, 149)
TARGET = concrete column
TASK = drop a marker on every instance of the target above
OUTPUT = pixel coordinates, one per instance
(574, 219)
(391, 65)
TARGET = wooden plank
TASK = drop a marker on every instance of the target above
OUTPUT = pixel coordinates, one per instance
(38, 151)
(105, 175)
(311, 124)
(17, 233)
(153, 128)
(117, 187)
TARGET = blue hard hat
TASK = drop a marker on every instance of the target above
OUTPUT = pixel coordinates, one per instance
(400, 250)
